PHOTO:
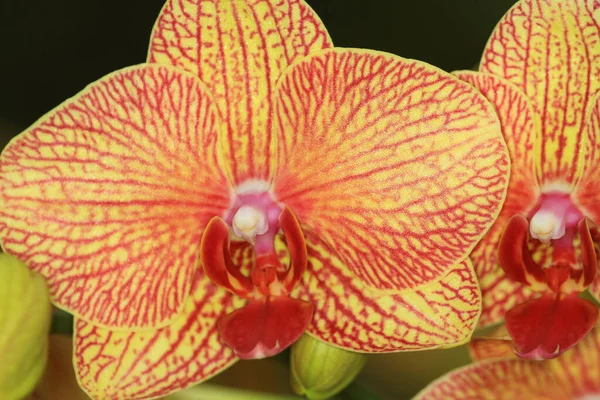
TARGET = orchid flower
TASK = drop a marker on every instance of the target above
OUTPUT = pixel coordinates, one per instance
(540, 70)
(572, 375)
(250, 183)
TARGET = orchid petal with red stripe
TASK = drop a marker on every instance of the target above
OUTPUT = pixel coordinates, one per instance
(513, 379)
(350, 315)
(578, 369)
(239, 49)
(586, 194)
(551, 50)
(108, 194)
(126, 365)
(397, 163)
(573, 375)
(517, 121)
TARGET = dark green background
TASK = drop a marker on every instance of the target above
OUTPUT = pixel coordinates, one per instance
(51, 49)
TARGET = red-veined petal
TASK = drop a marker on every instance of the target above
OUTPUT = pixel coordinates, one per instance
(516, 119)
(587, 192)
(239, 49)
(578, 369)
(551, 49)
(572, 375)
(108, 194)
(501, 294)
(399, 165)
(350, 315)
(127, 365)
(496, 380)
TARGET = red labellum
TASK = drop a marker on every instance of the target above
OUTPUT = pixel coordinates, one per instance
(545, 327)
(266, 326)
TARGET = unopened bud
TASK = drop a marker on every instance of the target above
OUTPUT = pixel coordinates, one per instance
(24, 324)
(320, 370)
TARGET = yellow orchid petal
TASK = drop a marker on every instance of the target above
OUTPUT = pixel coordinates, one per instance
(496, 380)
(586, 194)
(108, 194)
(500, 295)
(572, 375)
(125, 365)
(578, 369)
(396, 164)
(239, 49)
(517, 120)
(350, 315)
(551, 50)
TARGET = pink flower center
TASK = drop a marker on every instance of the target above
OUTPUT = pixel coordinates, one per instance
(254, 217)
(555, 217)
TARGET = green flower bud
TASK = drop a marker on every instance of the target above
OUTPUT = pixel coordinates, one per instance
(320, 370)
(25, 313)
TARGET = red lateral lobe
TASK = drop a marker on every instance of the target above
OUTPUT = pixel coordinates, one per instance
(296, 248)
(121, 365)
(216, 260)
(551, 49)
(350, 315)
(397, 165)
(239, 49)
(594, 288)
(108, 194)
(267, 276)
(265, 327)
(545, 327)
(516, 116)
(588, 257)
(514, 256)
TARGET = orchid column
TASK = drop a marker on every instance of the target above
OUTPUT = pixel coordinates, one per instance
(250, 183)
